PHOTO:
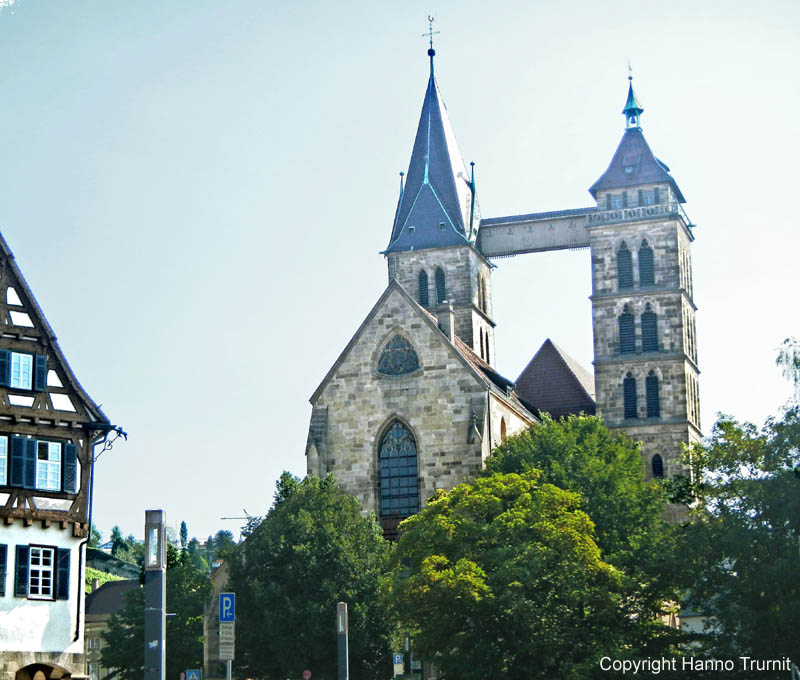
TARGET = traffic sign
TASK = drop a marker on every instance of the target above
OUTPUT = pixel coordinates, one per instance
(398, 659)
(227, 640)
(227, 607)
(192, 674)
(306, 674)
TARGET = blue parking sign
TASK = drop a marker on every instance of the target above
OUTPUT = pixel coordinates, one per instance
(227, 607)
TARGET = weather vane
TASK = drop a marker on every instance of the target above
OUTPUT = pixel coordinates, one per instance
(630, 70)
(430, 32)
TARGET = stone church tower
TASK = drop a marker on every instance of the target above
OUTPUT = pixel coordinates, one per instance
(414, 402)
(645, 356)
(432, 251)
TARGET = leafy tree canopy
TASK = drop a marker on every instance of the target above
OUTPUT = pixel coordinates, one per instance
(747, 536)
(313, 549)
(501, 578)
(581, 454)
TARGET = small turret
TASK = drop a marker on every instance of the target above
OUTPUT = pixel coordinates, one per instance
(632, 110)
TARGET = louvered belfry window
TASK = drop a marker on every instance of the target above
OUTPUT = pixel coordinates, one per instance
(653, 399)
(657, 466)
(423, 288)
(629, 396)
(624, 267)
(649, 330)
(398, 357)
(646, 268)
(399, 493)
(627, 334)
(441, 290)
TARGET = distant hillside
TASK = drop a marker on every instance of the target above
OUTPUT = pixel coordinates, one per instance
(97, 559)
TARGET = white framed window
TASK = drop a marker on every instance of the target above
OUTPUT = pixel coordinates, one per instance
(48, 466)
(3, 460)
(21, 371)
(94, 643)
(94, 667)
(41, 573)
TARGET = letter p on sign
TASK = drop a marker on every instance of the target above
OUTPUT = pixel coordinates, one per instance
(227, 607)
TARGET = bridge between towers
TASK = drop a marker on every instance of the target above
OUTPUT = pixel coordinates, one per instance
(561, 229)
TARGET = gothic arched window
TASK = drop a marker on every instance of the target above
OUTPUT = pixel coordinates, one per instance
(441, 290)
(652, 397)
(624, 267)
(657, 466)
(485, 307)
(397, 467)
(481, 300)
(629, 396)
(502, 430)
(423, 288)
(398, 357)
(627, 335)
(646, 269)
(481, 340)
(649, 330)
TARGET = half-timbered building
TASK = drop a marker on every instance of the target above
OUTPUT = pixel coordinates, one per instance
(48, 427)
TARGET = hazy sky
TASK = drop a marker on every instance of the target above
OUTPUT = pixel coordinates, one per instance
(197, 193)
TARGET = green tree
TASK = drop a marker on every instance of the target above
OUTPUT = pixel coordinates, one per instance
(747, 537)
(789, 362)
(501, 578)
(581, 454)
(188, 591)
(196, 556)
(184, 535)
(95, 537)
(313, 549)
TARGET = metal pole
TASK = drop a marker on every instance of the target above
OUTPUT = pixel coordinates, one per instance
(341, 639)
(228, 665)
(155, 596)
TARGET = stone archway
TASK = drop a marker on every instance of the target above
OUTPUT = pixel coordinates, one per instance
(42, 671)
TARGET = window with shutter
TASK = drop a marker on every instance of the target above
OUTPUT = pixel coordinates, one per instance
(646, 267)
(21, 571)
(653, 400)
(627, 334)
(624, 267)
(649, 330)
(629, 396)
(423, 288)
(3, 460)
(657, 466)
(3, 568)
(70, 467)
(441, 289)
(62, 574)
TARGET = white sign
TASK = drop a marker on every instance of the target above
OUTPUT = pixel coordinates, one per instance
(227, 641)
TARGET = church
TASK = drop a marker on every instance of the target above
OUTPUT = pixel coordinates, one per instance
(414, 402)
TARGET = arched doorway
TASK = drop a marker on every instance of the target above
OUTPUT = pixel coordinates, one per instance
(42, 671)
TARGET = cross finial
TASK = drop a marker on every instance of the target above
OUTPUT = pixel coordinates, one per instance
(430, 33)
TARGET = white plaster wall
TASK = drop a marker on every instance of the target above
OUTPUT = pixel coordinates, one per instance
(40, 625)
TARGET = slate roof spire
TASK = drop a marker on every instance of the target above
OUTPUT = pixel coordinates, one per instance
(437, 206)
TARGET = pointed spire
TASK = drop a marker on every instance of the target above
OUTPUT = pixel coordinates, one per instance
(632, 110)
(437, 204)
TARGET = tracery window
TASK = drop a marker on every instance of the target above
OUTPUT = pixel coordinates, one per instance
(646, 268)
(651, 395)
(423, 288)
(629, 396)
(624, 267)
(398, 492)
(627, 335)
(657, 466)
(649, 330)
(398, 357)
(441, 289)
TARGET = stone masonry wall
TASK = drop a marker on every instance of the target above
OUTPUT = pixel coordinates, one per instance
(462, 267)
(436, 403)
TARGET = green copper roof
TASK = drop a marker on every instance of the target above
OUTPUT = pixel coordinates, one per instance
(632, 105)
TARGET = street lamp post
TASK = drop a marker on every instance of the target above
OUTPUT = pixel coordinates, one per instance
(155, 595)
(341, 638)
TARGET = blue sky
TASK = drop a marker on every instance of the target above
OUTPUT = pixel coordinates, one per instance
(197, 192)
